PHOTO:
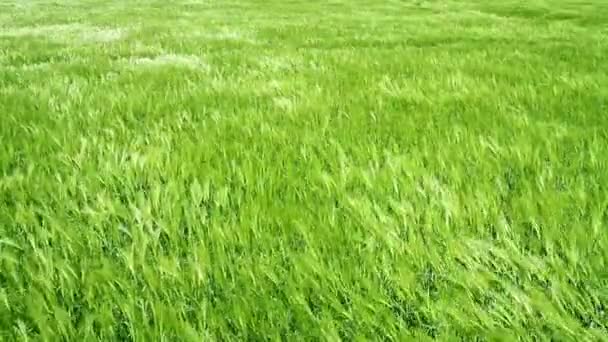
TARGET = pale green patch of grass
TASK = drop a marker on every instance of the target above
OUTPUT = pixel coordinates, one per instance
(188, 61)
(66, 33)
(303, 170)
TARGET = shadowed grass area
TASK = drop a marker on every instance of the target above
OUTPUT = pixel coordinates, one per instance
(303, 170)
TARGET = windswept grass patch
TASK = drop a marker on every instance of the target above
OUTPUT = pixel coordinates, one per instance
(296, 170)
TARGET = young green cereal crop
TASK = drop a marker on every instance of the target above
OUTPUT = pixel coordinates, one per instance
(303, 170)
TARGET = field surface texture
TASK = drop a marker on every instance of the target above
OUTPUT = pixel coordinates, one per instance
(303, 170)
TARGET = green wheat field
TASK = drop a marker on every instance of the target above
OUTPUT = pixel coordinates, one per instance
(303, 170)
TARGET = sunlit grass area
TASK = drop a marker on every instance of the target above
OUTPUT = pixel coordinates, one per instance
(303, 170)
